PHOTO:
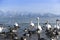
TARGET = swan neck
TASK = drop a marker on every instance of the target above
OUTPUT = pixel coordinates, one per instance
(38, 22)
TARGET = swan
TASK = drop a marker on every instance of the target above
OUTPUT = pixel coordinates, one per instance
(38, 26)
(1, 29)
(31, 26)
(48, 26)
(16, 24)
(57, 26)
(31, 23)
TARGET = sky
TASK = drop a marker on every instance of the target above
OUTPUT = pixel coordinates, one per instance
(38, 6)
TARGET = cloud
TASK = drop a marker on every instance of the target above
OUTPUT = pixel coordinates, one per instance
(42, 6)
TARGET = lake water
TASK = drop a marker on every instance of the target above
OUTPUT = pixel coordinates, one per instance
(24, 23)
(27, 20)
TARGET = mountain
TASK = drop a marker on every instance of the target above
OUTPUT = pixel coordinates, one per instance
(25, 14)
(50, 15)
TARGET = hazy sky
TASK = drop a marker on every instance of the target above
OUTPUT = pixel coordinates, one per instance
(42, 6)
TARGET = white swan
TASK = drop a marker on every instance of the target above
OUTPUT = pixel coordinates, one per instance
(31, 23)
(16, 24)
(2, 29)
(57, 26)
(14, 30)
(38, 26)
(48, 26)
(25, 39)
(31, 26)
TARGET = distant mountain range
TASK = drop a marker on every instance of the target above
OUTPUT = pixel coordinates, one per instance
(25, 14)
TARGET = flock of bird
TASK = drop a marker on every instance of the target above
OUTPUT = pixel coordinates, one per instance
(49, 31)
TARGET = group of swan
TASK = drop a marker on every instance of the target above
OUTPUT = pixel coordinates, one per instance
(2, 29)
(33, 26)
(48, 26)
(55, 33)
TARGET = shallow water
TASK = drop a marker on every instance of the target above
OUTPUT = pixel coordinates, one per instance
(24, 23)
(34, 36)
